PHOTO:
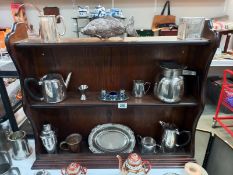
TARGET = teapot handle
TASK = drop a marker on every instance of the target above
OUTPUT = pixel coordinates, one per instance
(84, 170)
(63, 171)
(188, 133)
(26, 85)
(145, 162)
(63, 23)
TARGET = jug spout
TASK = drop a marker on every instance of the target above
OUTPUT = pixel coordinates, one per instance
(68, 80)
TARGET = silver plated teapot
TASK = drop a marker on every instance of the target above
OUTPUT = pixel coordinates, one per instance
(169, 87)
(53, 87)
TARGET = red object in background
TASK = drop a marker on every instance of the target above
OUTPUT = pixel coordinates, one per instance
(18, 12)
(225, 95)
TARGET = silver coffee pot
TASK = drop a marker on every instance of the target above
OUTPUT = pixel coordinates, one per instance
(49, 139)
(53, 87)
(169, 87)
(170, 136)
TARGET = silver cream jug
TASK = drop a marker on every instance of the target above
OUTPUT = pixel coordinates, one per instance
(53, 87)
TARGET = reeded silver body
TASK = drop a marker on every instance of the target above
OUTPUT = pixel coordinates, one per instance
(53, 88)
(170, 86)
(49, 139)
(48, 28)
(139, 88)
(19, 145)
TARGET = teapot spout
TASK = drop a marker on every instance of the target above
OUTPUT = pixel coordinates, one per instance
(68, 80)
(120, 162)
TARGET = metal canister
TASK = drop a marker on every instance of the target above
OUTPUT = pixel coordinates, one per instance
(49, 139)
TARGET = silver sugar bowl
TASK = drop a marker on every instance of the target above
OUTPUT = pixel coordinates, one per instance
(49, 139)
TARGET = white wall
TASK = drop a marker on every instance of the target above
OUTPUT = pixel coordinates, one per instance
(142, 10)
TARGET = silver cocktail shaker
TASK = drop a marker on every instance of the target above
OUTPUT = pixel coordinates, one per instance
(49, 139)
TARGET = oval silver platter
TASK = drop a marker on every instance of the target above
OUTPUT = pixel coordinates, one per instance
(111, 138)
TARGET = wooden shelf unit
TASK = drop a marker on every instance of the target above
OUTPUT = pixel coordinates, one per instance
(112, 65)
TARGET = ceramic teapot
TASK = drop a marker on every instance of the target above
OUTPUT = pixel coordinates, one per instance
(134, 165)
(74, 169)
(83, 11)
(99, 11)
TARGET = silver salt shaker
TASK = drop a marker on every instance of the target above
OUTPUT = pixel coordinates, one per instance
(49, 139)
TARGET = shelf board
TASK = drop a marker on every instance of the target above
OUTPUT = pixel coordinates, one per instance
(73, 100)
(54, 161)
(114, 41)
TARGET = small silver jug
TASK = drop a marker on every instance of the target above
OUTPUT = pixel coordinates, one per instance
(139, 88)
(169, 137)
(49, 139)
(53, 87)
(48, 28)
(169, 87)
(19, 144)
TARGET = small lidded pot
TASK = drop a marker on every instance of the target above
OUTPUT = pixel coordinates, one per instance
(74, 169)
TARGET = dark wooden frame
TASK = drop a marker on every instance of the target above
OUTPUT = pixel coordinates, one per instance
(112, 65)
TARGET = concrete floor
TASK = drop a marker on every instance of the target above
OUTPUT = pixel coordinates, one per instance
(205, 124)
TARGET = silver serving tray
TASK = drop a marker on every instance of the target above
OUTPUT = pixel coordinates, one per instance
(111, 138)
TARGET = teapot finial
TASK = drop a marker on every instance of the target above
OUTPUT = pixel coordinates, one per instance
(120, 162)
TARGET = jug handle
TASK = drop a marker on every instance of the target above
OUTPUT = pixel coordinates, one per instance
(145, 162)
(188, 133)
(147, 83)
(15, 169)
(26, 85)
(63, 23)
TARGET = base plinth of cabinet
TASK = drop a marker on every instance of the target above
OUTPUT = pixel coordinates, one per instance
(58, 161)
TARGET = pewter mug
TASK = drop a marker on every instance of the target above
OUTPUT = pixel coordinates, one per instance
(5, 158)
(53, 87)
(48, 28)
(19, 144)
(6, 169)
(49, 139)
(72, 143)
(139, 88)
(169, 87)
(169, 137)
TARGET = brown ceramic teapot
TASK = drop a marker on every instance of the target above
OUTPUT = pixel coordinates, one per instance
(74, 169)
(134, 165)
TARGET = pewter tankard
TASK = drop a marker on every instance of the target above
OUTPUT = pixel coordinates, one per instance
(169, 137)
(48, 28)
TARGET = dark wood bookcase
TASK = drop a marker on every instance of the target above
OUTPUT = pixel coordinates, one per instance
(112, 64)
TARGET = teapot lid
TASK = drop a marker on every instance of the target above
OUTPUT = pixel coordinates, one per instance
(171, 65)
(73, 168)
(134, 159)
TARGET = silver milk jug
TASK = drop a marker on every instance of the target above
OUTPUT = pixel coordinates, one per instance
(169, 87)
(49, 139)
(170, 136)
(53, 87)
(48, 28)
